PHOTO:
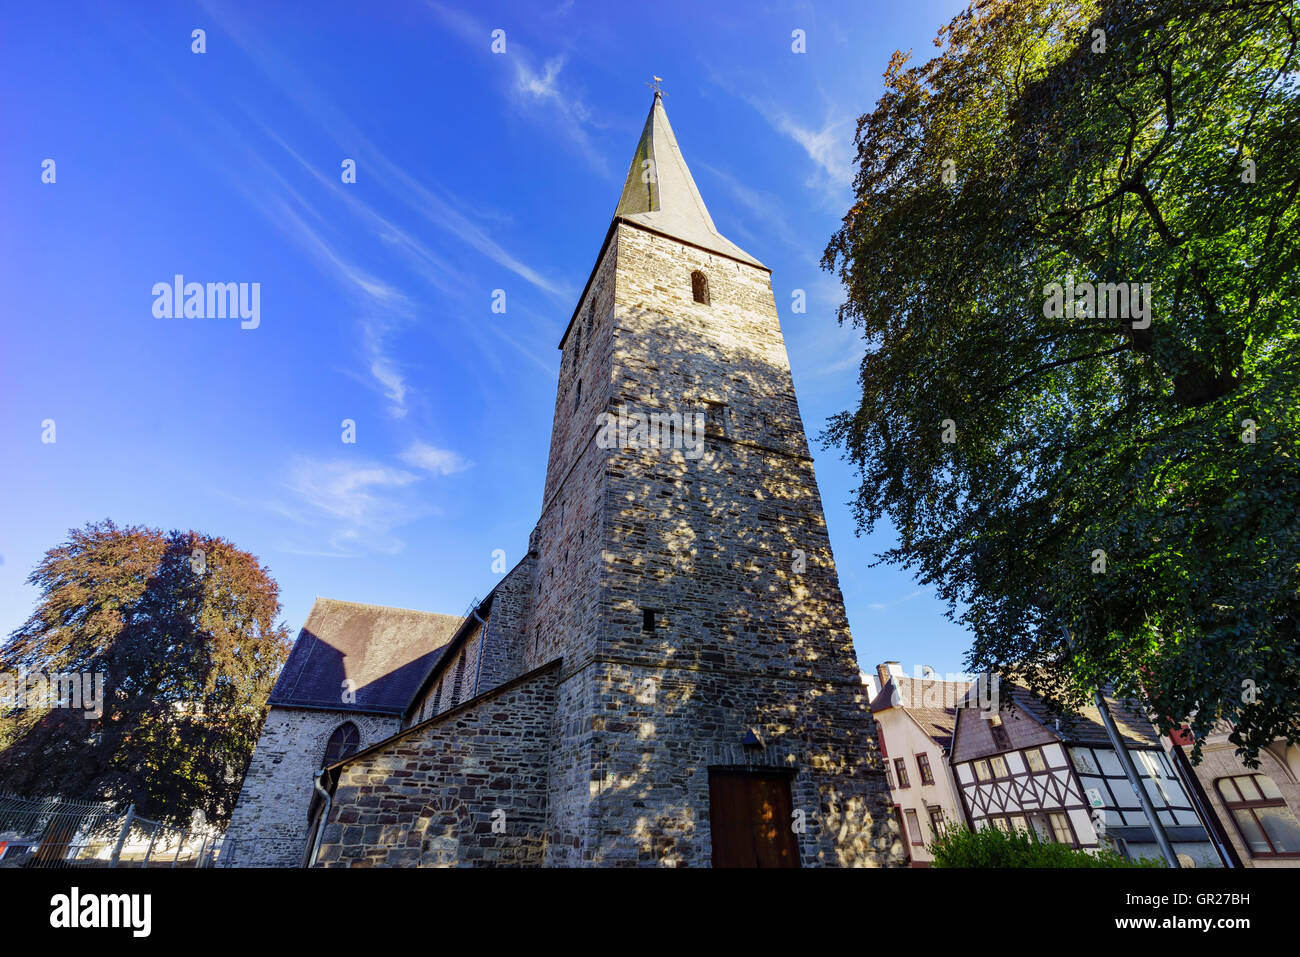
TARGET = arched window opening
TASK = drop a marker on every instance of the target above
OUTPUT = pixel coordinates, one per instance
(700, 287)
(344, 741)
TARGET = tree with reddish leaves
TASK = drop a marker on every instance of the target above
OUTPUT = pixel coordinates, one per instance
(183, 628)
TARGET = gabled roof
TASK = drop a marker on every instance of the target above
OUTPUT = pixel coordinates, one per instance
(385, 652)
(667, 201)
(931, 703)
(1084, 727)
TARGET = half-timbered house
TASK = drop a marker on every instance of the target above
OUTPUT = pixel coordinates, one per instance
(1059, 776)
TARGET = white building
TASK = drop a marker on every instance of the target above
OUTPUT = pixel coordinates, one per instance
(916, 718)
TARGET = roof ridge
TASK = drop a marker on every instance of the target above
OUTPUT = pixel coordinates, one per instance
(366, 604)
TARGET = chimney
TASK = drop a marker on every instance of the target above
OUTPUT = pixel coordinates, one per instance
(887, 670)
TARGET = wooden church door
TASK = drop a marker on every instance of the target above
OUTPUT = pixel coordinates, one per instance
(751, 818)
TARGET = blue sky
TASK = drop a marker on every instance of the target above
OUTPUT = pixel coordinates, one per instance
(475, 171)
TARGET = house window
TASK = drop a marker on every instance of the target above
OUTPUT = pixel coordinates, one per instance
(999, 765)
(1034, 758)
(647, 619)
(1083, 762)
(889, 775)
(700, 287)
(1061, 832)
(1266, 824)
(923, 765)
(982, 772)
(914, 827)
(901, 767)
(343, 742)
(936, 820)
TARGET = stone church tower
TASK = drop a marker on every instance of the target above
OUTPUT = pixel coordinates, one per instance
(668, 677)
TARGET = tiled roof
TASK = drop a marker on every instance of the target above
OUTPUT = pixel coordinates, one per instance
(931, 703)
(1086, 726)
(385, 652)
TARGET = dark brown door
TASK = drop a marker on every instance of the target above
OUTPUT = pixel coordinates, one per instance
(751, 819)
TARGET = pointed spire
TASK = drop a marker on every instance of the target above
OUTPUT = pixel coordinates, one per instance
(660, 194)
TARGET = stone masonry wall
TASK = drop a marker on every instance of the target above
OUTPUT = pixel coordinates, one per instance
(269, 825)
(731, 553)
(1219, 760)
(503, 641)
(466, 789)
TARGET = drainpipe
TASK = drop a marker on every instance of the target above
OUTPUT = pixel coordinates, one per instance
(324, 817)
(1201, 802)
(1130, 770)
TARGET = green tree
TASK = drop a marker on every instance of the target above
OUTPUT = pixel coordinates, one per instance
(1131, 479)
(182, 626)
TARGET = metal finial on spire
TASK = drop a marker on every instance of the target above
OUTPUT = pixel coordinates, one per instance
(654, 85)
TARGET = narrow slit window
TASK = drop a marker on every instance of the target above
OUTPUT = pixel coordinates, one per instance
(700, 287)
(577, 396)
(647, 619)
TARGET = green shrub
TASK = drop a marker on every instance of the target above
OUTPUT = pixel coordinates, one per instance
(991, 847)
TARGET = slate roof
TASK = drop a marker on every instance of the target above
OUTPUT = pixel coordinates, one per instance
(931, 703)
(669, 203)
(1085, 727)
(386, 652)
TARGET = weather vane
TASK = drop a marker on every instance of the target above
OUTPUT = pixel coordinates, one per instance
(655, 85)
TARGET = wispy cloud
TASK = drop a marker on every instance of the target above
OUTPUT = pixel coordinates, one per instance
(829, 146)
(537, 89)
(357, 507)
(762, 207)
(422, 455)
(882, 605)
(432, 206)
